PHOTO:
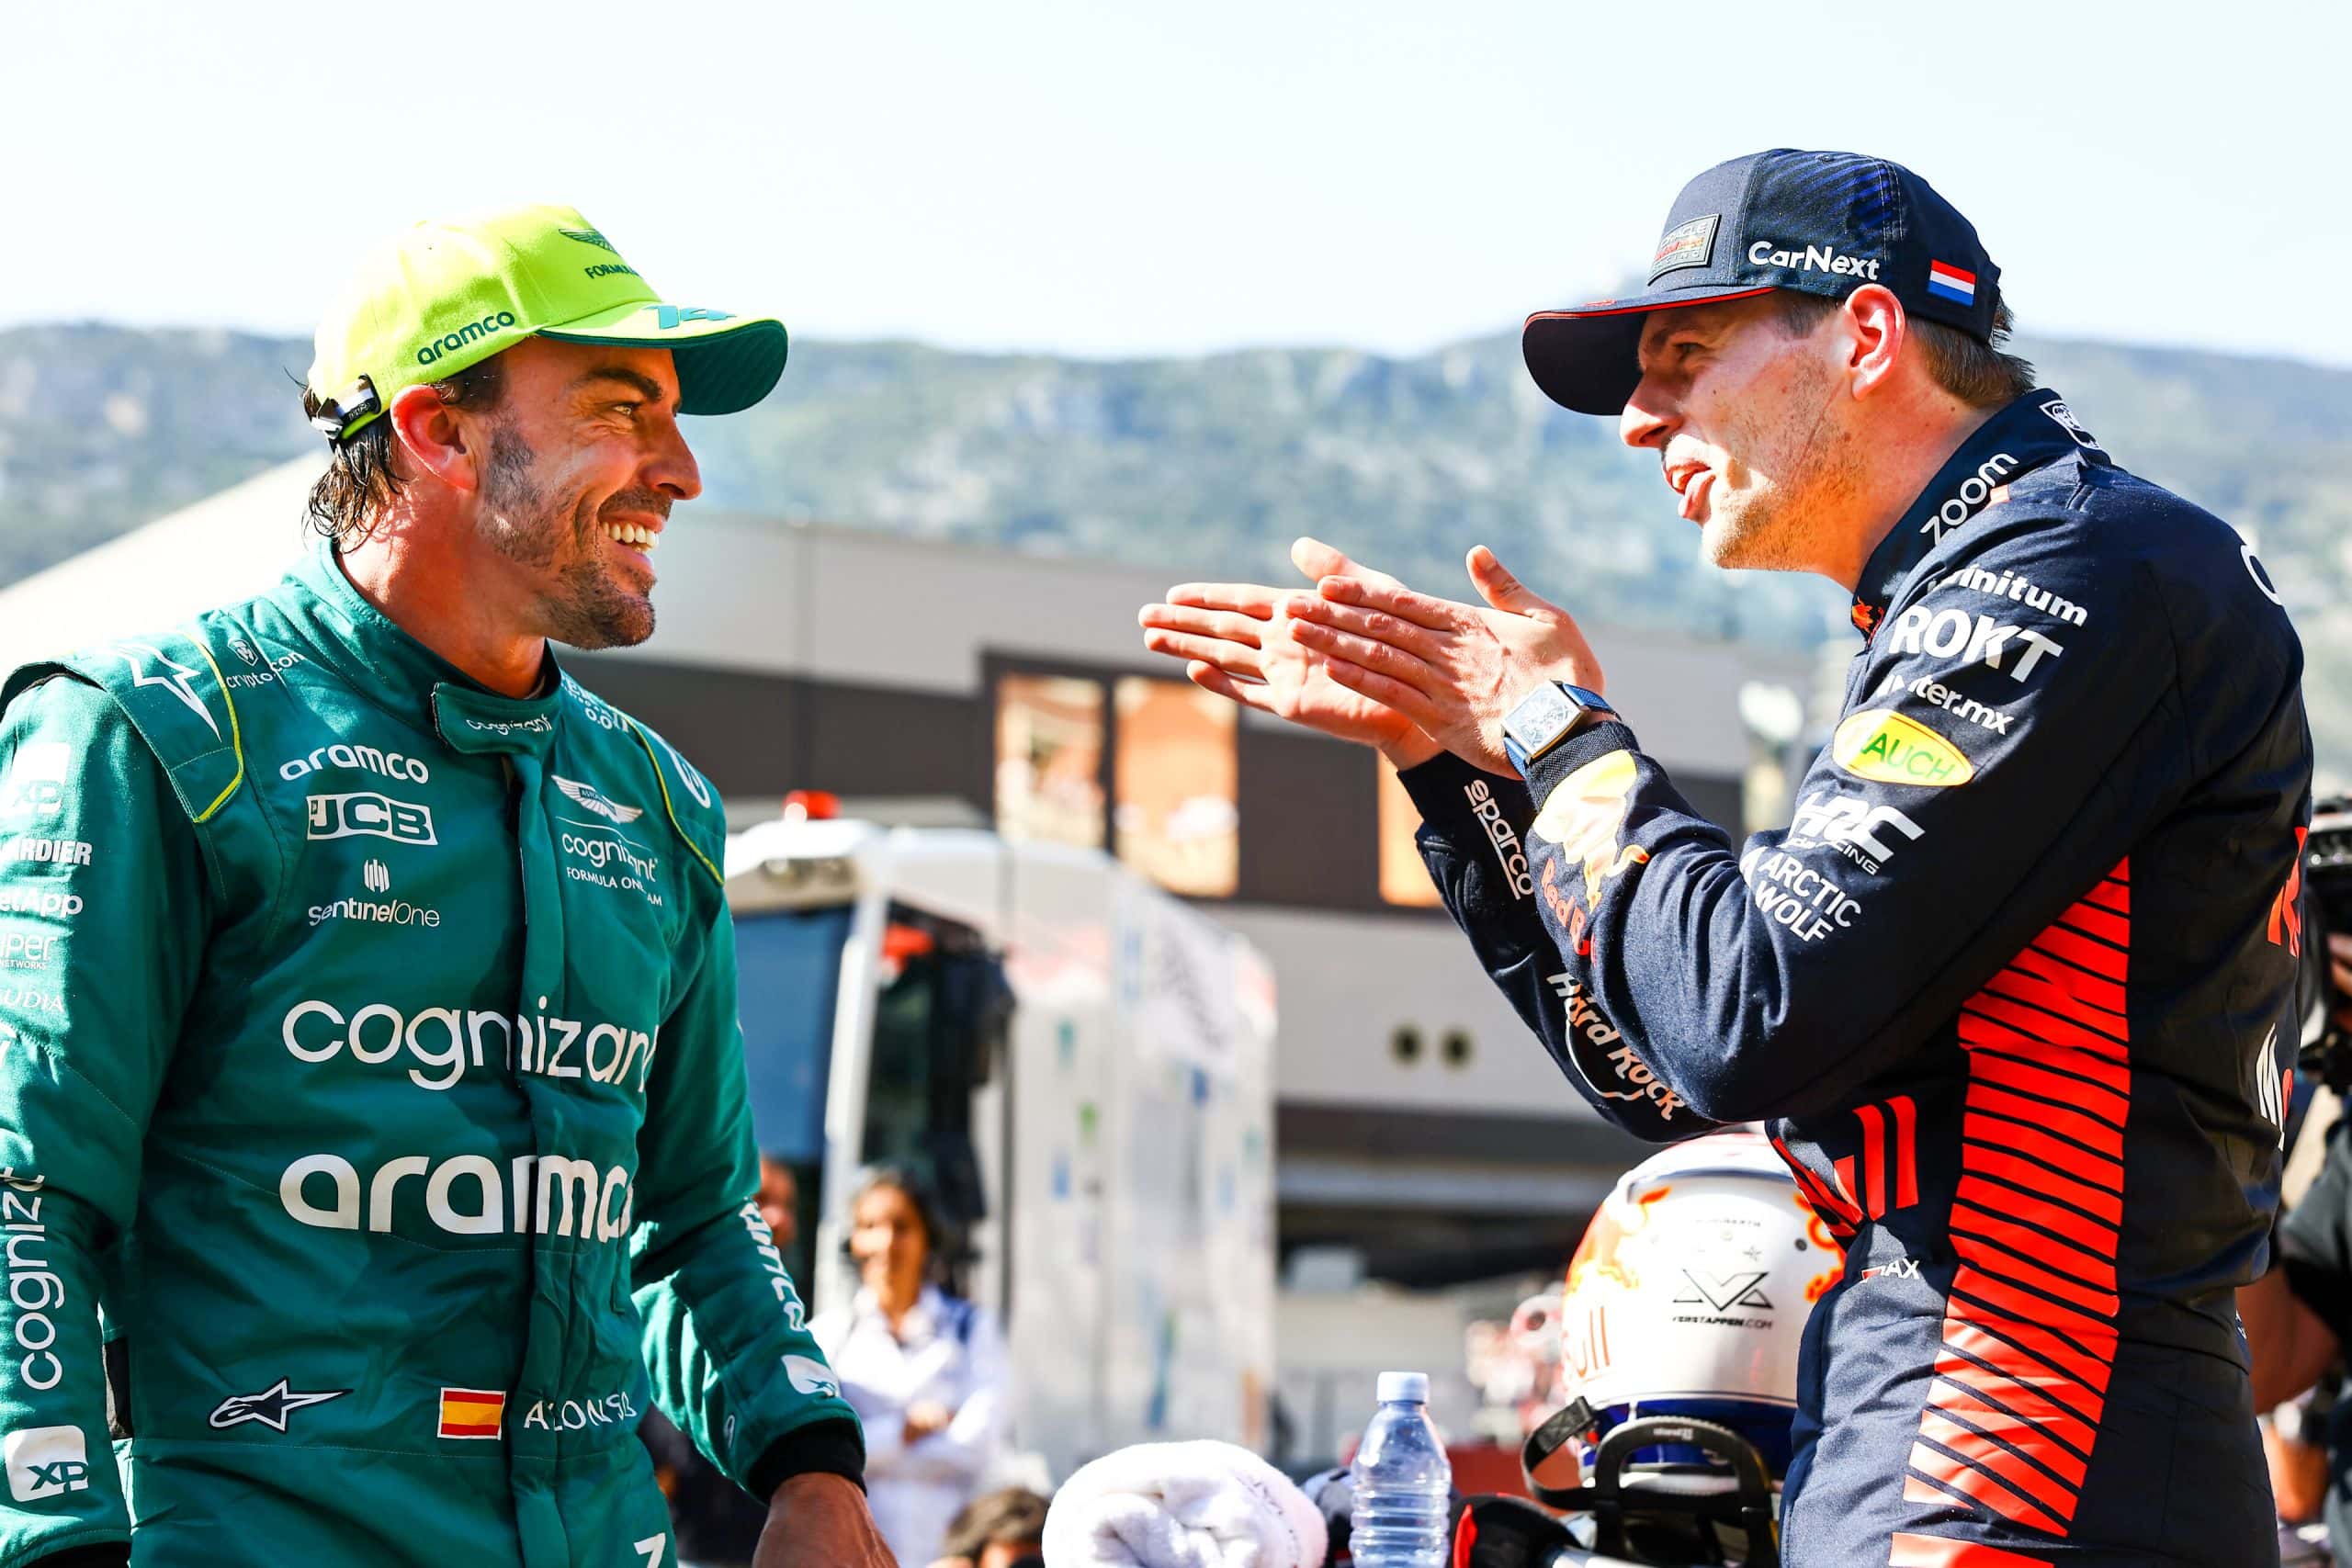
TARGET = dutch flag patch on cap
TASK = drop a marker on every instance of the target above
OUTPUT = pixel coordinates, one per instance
(1947, 282)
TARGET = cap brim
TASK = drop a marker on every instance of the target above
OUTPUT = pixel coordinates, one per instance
(725, 363)
(1588, 358)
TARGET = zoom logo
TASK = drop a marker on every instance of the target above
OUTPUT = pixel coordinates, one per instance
(375, 816)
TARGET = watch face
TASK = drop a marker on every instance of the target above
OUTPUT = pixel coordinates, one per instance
(1540, 719)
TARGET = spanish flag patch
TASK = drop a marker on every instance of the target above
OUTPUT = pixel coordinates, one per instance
(472, 1413)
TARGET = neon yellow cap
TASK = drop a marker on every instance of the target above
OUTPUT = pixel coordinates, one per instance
(445, 295)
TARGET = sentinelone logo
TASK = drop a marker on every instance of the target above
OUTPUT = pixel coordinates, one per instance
(377, 911)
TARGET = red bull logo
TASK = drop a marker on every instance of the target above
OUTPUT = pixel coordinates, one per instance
(1585, 816)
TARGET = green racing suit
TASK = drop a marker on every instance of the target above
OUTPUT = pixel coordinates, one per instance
(373, 1147)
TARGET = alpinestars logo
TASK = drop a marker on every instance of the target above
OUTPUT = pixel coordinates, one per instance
(593, 799)
(144, 659)
(271, 1406)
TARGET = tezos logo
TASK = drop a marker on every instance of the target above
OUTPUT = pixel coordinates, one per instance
(376, 816)
(46, 1461)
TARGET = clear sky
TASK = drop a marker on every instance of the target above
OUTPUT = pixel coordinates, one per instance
(1118, 177)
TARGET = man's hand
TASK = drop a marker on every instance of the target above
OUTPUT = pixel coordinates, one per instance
(821, 1521)
(1237, 644)
(1454, 670)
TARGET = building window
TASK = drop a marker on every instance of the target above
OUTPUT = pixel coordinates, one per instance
(1403, 878)
(1049, 743)
(1174, 775)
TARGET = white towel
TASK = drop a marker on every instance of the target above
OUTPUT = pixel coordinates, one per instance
(1198, 1505)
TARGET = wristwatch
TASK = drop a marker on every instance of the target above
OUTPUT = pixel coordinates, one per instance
(1548, 716)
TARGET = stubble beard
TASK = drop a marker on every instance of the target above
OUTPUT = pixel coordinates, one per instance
(1780, 521)
(580, 605)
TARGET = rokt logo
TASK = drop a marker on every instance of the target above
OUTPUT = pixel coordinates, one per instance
(1954, 634)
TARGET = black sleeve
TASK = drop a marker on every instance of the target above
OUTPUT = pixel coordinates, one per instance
(1964, 803)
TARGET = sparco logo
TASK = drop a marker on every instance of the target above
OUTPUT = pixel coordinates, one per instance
(445, 1042)
(1584, 1023)
(1973, 492)
(390, 764)
(466, 1194)
(472, 331)
(1813, 258)
(377, 816)
(1503, 836)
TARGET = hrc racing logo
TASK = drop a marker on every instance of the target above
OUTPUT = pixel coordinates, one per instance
(1584, 1023)
(1502, 835)
(376, 816)
(46, 1461)
(1883, 745)
(1853, 826)
(1973, 639)
(445, 1042)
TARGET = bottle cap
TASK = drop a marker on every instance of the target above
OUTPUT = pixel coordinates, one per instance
(1413, 1386)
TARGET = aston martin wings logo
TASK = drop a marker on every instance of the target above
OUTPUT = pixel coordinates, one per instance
(595, 800)
(145, 660)
(271, 1406)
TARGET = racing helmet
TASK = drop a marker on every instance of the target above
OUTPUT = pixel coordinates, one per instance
(1689, 1296)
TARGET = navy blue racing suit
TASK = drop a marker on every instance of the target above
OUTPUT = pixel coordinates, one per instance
(2014, 989)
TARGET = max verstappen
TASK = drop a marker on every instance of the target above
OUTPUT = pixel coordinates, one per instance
(2014, 985)
(368, 1055)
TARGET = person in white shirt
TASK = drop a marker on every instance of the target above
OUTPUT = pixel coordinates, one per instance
(924, 1370)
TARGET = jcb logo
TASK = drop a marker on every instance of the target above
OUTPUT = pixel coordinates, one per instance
(377, 816)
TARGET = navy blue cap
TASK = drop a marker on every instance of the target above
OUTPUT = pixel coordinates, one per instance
(1822, 223)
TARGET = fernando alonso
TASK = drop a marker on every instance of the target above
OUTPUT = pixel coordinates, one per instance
(367, 1047)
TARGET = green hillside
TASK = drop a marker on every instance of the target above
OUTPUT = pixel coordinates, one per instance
(1211, 465)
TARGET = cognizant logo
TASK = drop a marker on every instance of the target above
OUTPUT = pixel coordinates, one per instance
(446, 1043)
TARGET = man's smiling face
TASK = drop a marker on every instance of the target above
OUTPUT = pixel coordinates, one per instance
(585, 460)
(1747, 419)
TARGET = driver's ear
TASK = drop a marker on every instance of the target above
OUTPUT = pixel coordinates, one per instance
(433, 438)
(1875, 330)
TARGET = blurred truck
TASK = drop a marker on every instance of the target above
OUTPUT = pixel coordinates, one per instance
(1081, 1065)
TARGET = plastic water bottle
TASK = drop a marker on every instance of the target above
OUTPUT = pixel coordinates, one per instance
(1403, 1484)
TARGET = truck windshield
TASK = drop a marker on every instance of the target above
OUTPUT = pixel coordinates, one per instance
(788, 975)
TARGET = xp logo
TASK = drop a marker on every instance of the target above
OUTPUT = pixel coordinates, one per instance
(376, 816)
(46, 1461)
(36, 782)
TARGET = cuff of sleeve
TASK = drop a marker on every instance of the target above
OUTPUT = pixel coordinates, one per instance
(1612, 735)
(1437, 784)
(105, 1554)
(821, 1448)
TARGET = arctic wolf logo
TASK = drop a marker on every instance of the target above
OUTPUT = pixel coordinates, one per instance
(1584, 815)
(595, 800)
